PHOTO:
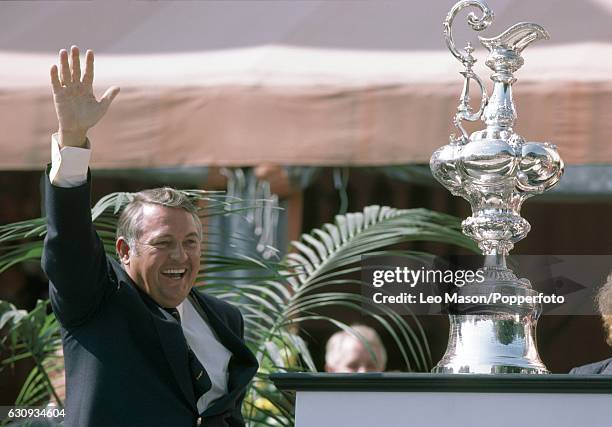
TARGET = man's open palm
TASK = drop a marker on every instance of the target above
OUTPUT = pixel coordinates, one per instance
(75, 103)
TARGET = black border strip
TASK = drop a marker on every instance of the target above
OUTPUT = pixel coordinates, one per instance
(460, 383)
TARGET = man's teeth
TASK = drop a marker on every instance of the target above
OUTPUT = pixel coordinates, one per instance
(174, 272)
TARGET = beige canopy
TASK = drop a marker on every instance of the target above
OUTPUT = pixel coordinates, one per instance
(292, 102)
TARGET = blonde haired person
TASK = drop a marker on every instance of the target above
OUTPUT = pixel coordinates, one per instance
(346, 352)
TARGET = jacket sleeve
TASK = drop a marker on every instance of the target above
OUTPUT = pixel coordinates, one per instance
(73, 255)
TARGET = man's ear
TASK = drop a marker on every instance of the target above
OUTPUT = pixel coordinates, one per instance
(123, 250)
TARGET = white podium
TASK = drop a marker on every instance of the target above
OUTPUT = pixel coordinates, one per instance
(438, 400)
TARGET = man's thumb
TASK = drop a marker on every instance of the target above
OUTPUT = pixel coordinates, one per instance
(109, 95)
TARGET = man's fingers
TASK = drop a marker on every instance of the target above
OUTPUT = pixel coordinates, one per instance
(108, 96)
(64, 67)
(55, 82)
(89, 68)
(76, 65)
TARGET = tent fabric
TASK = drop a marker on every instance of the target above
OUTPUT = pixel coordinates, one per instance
(231, 105)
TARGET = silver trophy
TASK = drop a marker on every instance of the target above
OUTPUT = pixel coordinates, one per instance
(495, 170)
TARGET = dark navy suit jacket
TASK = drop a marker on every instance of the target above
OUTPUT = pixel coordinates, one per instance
(125, 357)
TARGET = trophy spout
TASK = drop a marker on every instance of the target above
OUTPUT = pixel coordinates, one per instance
(505, 49)
(516, 38)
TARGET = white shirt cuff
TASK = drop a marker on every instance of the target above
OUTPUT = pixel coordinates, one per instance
(68, 165)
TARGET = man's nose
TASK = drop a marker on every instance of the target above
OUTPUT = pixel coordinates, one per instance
(178, 252)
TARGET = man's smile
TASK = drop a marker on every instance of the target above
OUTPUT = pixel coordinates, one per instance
(174, 273)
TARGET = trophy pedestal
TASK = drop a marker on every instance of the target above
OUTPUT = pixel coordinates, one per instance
(495, 335)
(490, 344)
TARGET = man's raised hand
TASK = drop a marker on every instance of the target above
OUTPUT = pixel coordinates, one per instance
(75, 103)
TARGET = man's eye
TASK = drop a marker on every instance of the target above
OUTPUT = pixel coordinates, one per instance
(191, 243)
(161, 244)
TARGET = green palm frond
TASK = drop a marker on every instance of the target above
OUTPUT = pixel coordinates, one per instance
(34, 336)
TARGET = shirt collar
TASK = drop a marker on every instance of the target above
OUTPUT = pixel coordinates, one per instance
(180, 307)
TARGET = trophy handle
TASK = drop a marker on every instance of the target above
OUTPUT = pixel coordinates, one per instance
(464, 111)
(477, 24)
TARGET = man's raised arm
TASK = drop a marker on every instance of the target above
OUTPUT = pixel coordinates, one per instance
(73, 256)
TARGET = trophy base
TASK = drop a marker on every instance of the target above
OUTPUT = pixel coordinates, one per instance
(488, 369)
(491, 344)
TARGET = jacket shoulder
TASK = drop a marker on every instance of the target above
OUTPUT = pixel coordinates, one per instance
(601, 367)
(225, 310)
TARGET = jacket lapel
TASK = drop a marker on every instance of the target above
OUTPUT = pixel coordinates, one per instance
(242, 366)
(173, 344)
(175, 347)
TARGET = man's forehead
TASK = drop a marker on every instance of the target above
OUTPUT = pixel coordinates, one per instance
(161, 233)
(160, 219)
(155, 210)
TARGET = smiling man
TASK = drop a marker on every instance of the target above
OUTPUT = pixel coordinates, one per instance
(158, 242)
(141, 346)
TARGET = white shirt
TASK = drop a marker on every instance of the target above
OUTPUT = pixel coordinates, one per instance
(69, 169)
(209, 351)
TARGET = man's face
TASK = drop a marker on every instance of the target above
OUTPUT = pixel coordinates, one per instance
(356, 358)
(167, 256)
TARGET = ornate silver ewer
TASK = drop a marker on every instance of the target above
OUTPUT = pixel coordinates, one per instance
(495, 170)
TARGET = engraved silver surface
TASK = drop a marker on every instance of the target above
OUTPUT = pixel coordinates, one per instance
(495, 170)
